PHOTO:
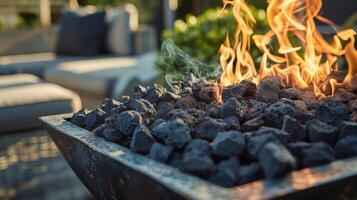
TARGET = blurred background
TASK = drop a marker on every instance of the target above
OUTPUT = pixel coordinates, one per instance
(88, 50)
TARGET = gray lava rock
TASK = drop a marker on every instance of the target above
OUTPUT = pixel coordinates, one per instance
(127, 121)
(309, 98)
(276, 160)
(170, 97)
(274, 114)
(314, 154)
(94, 119)
(208, 128)
(322, 132)
(198, 145)
(186, 102)
(281, 135)
(348, 128)
(245, 89)
(269, 89)
(232, 123)
(257, 109)
(346, 147)
(142, 106)
(164, 108)
(256, 143)
(208, 94)
(227, 144)
(109, 104)
(108, 133)
(196, 113)
(249, 173)
(182, 114)
(253, 124)
(160, 152)
(332, 112)
(197, 164)
(79, 118)
(140, 89)
(235, 107)
(175, 133)
(290, 93)
(154, 93)
(213, 110)
(226, 174)
(295, 129)
(142, 140)
(342, 95)
(352, 105)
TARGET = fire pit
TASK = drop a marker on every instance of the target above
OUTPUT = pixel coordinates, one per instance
(276, 132)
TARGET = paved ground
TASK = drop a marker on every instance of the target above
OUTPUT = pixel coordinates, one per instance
(31, 167)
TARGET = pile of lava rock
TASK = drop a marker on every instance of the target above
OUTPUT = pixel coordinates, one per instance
(256, 132)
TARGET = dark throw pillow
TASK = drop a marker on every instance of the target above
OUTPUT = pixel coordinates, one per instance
(81, 35)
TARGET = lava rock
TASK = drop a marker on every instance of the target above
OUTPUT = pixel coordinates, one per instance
(352, 105)
(109, 104)
(234, 107)
(309, 98)
(170, 97)
(95, 119)
(175, 133)
(257, 109)
(274, 114)
(276, 160)
(281, 135)
(314, 154)
(348, 128)
(269, 89)
(253, 124)
(294, 128)
(332, 112)
(342, 95)
(232, 123)
(196, 113)
(198, 145)
(353, 117)
(249, 173)
(163, 109)
(186, 102)
(127, 121)
(197, 164)
(213, 110)
(226, 174)
(108, 132)
(208, 128)
(208, 94)
(227, 144)
(142, 140)
(245, 89)
(346, 147)
(160, 152)
(154, 93)
(175, 159)
(140, 89)
(321, 132)
(290, 93)
(257, 142)
(182, 114)
(79, 118)
(142, 106)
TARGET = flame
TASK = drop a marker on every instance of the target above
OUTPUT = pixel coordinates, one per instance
(306, 66)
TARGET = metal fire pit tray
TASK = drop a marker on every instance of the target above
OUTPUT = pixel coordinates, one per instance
(111, 171)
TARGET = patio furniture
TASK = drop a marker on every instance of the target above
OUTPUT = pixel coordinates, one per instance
(24, 98)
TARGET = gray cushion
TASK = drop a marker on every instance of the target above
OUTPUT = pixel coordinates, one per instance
(21, 106)
(105, 77)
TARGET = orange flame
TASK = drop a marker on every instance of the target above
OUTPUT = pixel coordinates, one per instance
(304, 66)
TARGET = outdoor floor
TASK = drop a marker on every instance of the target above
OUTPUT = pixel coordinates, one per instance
(31, 167)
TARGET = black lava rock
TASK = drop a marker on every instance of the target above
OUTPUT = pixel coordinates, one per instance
(142, 106)
(253, 124)
(274, 114)
(256, 143)
(235, 107)
(213, 110)
(290, 93)
(276, 160)
(79, 118)
(309, 98)
(197, 164)
(269, 89)
(163, 109)
(140, 89)
(176, 133)
(108, 132)
(127, 121)
(322, 132)
(208, 128)
(170, 97)
(95, 119)
(109, 104)
(186, 102)
(142, 140)
(182, 114)
(346, 147)
(249, 173)
(294, 128)
(198, 145)
(348, 128)
(226, 174)
(281, 135)
(332, 112)
(314, 154)
(245, 89)
(160, 152)
(232, 123)
(227, 144)
(154, 93)
(256, 110)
